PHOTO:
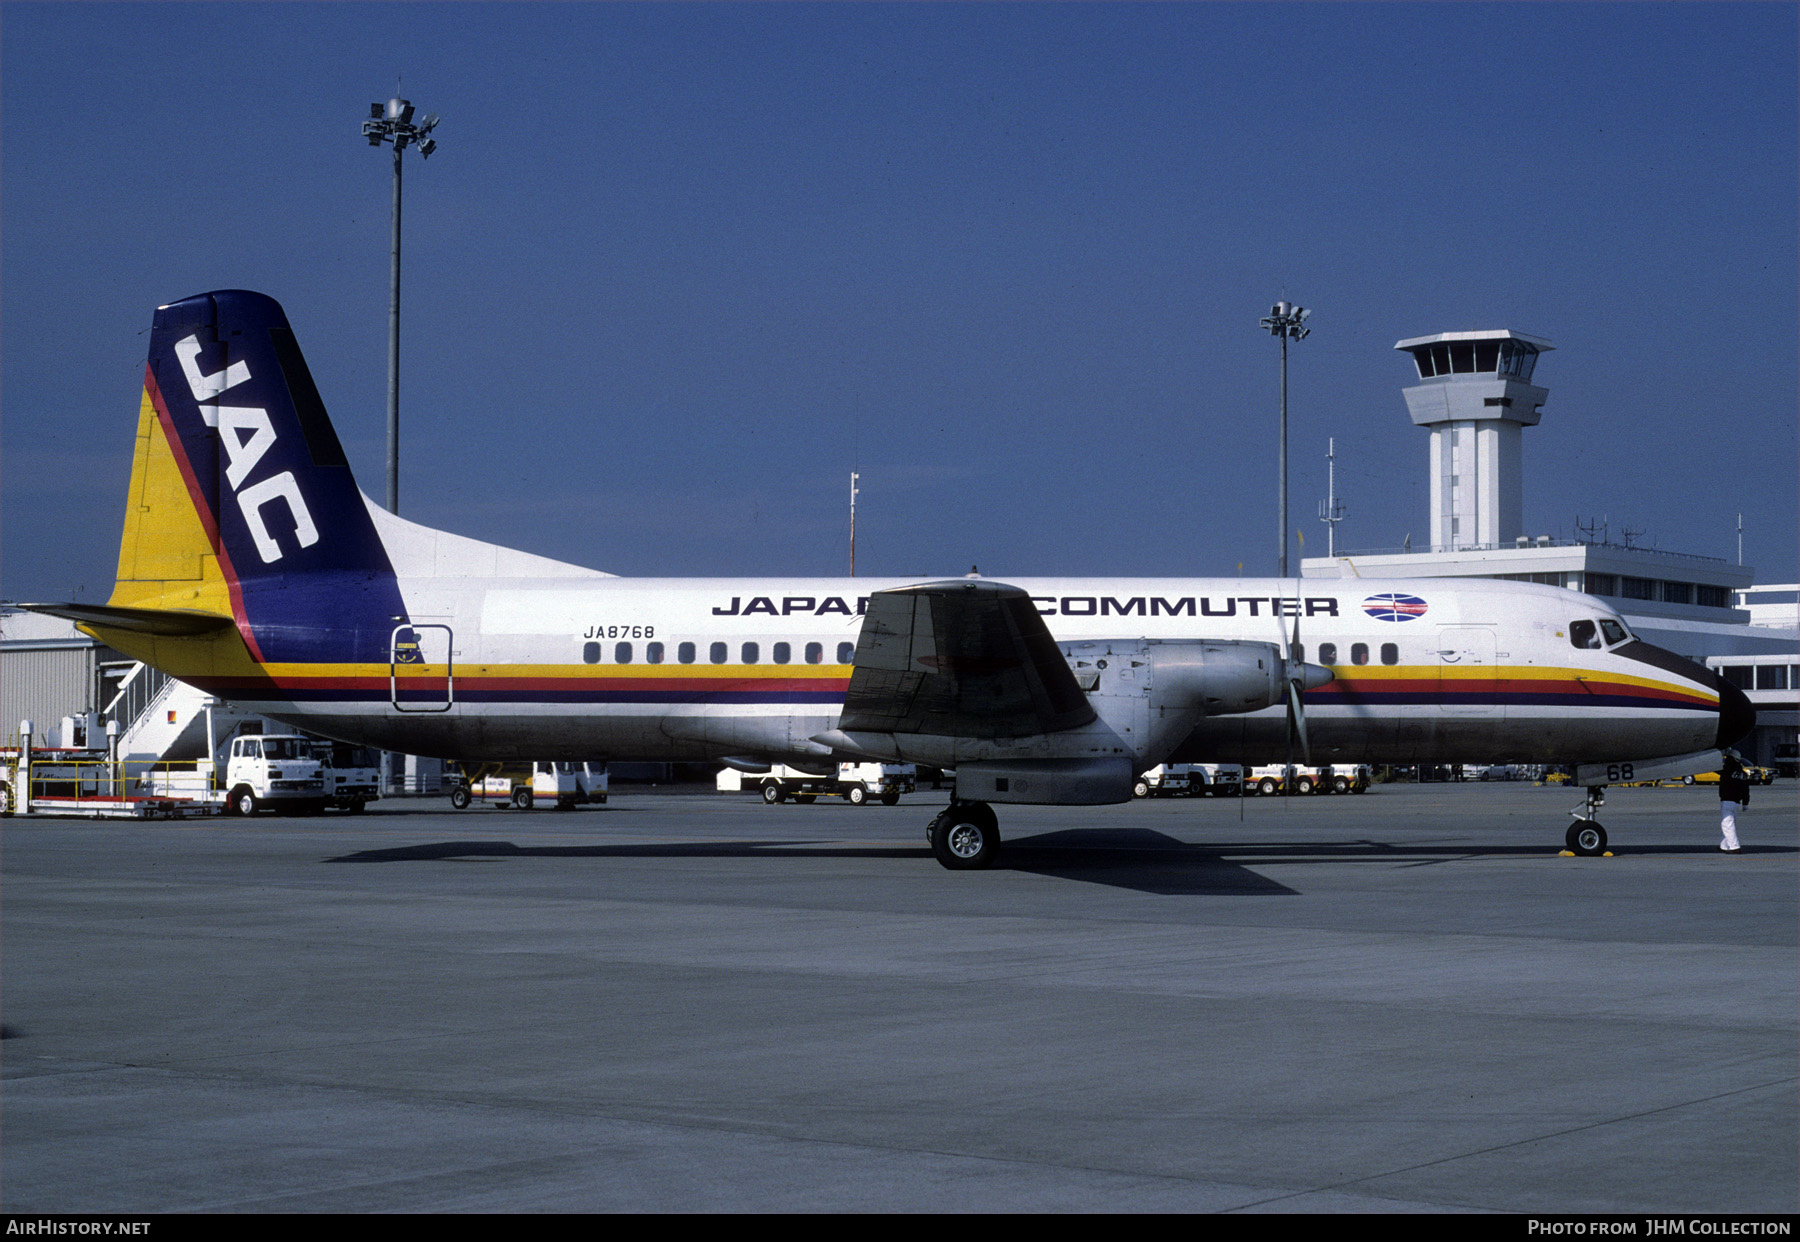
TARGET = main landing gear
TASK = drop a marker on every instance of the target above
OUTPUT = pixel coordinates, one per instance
(965, 836)
(1585, 836)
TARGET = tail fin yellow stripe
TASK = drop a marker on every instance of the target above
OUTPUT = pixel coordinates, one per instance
(165, 557)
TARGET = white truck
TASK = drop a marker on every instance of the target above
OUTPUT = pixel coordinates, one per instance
(1193, 779)
(352, 774)
(273, 772)
(855, 783)
(563, 784)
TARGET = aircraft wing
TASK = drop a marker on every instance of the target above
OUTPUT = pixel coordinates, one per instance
(964, 658)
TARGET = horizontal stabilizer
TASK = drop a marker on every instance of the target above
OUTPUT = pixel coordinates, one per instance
(165, 622)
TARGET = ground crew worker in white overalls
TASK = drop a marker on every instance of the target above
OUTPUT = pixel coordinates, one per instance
(1734, 796)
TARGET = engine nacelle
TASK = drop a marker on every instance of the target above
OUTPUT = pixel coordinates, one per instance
(1220, 678)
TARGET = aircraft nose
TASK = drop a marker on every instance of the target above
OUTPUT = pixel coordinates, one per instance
(1736, 715)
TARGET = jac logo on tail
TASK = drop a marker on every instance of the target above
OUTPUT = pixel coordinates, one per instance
(247, 435)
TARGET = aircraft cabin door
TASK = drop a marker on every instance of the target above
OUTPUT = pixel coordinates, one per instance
(421, 671)
(1468, 673)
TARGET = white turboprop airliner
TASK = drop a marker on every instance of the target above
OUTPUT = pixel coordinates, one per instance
(252, 566)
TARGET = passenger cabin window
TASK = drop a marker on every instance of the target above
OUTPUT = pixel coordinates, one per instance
(1584, 634)
(846, 652)
(654, 653)
(1359, 653)
(1390, 653)
(717, 653)
(1327, 653)
(1612, 632)
(782, 653)
(622, 653)
(590, 653)
(752, 653)
(685, 653)
(815, 653)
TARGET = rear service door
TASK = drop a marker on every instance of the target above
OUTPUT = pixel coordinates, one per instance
(421, 677)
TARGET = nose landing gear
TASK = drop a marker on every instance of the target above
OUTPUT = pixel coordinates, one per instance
(1585, 836)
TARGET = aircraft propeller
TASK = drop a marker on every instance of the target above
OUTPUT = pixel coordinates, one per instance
(1297, 677)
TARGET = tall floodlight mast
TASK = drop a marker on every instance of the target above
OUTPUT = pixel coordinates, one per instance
(1286, 321)
(392, 122)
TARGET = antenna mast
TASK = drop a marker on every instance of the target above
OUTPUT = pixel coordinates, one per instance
(853, 477)
(1331, 512)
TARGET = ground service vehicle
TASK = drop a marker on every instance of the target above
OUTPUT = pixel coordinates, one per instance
(1330, 778)
(1753, 773)
(856, 783)
(273, 772)
(252, 567)
(1273, 778)
(352, 774)
(1163, 780)
(1192, 779)
(563, 784)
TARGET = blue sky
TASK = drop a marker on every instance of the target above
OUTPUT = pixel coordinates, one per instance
(676, 268)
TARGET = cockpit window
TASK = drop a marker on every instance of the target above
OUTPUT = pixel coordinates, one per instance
(1613, 632)
(1584, 634)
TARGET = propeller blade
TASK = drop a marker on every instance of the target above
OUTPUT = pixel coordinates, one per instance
(1297, 719)
(1295, 675)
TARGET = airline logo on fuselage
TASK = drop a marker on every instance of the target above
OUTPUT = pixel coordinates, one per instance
(1065, 606)
(247, 435)
(1395, 607)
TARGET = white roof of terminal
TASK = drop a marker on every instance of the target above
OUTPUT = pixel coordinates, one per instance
(1492, 334)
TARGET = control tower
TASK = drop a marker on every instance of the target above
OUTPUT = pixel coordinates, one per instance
(1476, 395)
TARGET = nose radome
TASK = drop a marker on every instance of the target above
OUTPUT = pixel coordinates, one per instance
(1736, 715)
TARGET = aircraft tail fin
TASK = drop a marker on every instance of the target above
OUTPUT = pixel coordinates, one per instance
(242, 504)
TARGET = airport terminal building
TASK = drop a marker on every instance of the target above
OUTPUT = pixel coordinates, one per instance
(1475, 395)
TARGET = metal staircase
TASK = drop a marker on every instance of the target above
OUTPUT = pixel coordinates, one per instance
(161, 718)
